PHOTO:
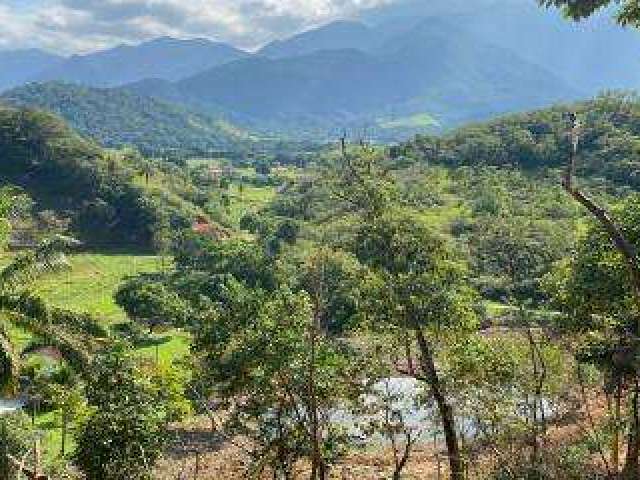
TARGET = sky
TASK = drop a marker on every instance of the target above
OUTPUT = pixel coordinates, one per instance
(80, 26)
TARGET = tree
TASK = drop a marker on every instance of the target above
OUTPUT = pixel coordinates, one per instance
(16, 437)
(288, 231)
(422, 287)
(342, 282)
(152, 302)
(424, 291)
(291, 380)
(68, 332)
(125, 432)
(628, 12)
(595, 289)
(238, 257)
(516, 252)
(263, 167)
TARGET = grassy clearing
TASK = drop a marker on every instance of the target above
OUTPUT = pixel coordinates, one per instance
(419, 120)
(443, 217)
(90, 284)
(91, 281)
(250, 199)
(166, 347)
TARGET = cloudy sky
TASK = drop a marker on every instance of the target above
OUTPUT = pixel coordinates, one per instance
(70, 26)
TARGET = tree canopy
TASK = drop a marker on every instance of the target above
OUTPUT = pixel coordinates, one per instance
(628, 12)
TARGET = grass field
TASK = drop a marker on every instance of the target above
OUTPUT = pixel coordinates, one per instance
(419, 120)
(249, 200)
(167, 347)
(91, 281)
(88, 286)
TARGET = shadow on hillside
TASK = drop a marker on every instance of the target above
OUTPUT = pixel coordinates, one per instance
(188, 442)
(153, 341)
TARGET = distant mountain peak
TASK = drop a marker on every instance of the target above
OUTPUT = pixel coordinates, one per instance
(164, 58)
(336, 35)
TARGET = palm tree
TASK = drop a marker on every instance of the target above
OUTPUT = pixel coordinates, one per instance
(68, 333)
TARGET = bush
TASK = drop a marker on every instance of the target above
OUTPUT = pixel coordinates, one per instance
(125, 432)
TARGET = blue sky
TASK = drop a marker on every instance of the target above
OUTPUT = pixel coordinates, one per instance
(70, 26)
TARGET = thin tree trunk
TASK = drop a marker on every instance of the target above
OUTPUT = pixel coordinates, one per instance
(631, 470)
(405, 458)
(626, 249)
(4, 450)
(446, 411)
(615, 446)
(539, 373)
(318, 465)
(315, 460)
(630, 255)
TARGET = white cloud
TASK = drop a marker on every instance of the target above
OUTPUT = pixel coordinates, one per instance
(79, 25)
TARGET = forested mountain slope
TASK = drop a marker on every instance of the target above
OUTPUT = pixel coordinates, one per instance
(433, 68)
(609, 148)
(116, 117)
(100, 193)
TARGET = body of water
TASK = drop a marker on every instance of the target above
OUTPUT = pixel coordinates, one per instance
(10, 405)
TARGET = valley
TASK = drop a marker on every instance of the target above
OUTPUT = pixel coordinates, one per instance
(382, 240)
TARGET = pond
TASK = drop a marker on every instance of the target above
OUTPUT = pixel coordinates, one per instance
(8, 406)
(404, 397)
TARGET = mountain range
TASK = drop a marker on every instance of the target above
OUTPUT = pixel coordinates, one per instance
(397, 69)
(435, 68)
(165, 57)
(22, 66)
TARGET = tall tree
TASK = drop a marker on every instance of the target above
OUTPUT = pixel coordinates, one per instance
(424, 292)
(292, 378)
(423, 288)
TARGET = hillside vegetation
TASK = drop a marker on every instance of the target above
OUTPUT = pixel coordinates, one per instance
(116, 117)
(98, 192)
(610, 144)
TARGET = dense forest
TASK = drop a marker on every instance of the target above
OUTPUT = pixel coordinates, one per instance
(106, 199)
(538, 140)
(116, 117)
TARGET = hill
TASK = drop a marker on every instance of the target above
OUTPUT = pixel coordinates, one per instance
(116, 117)
(19, 66)
(100, 194)
(434, 68)
(609, 148)
(165, 58)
